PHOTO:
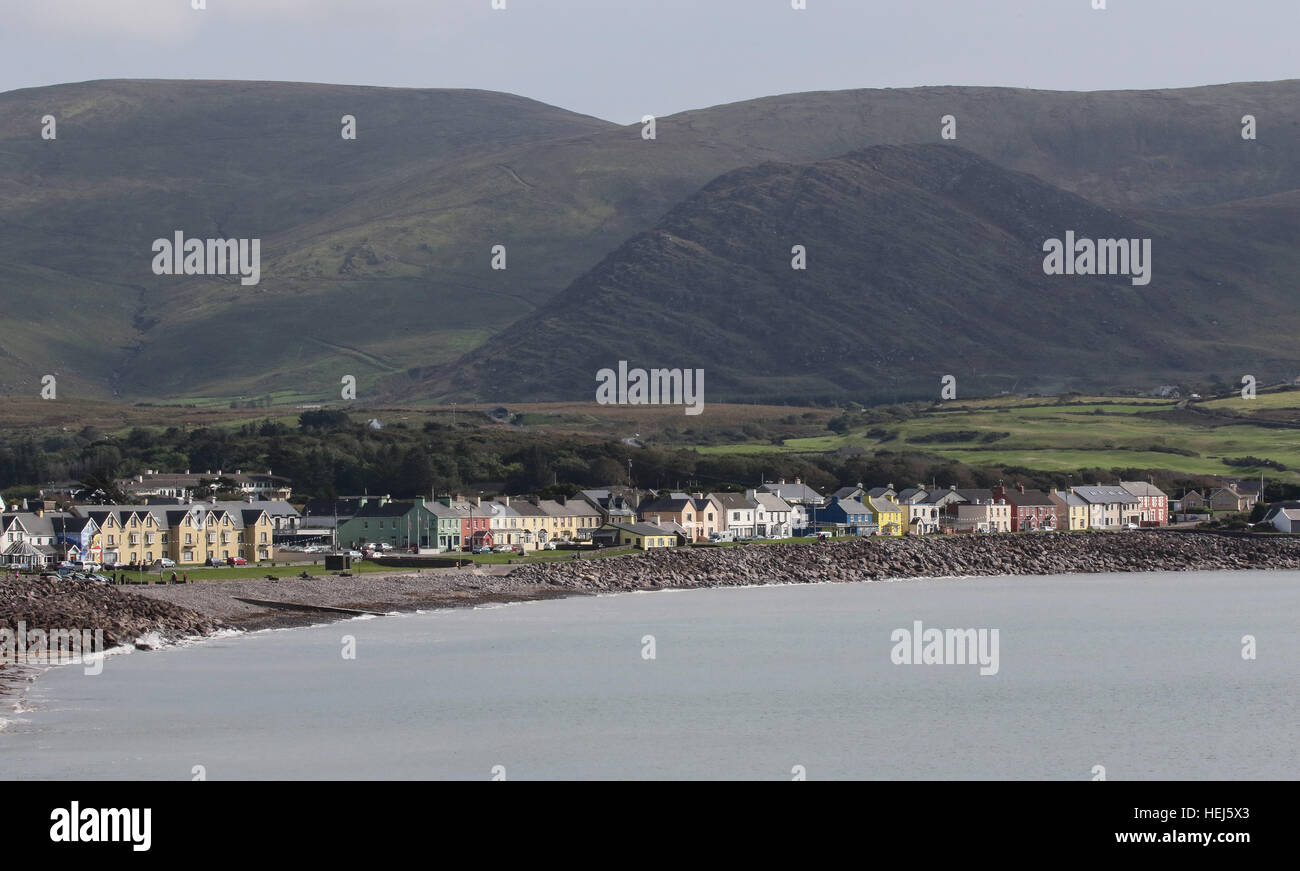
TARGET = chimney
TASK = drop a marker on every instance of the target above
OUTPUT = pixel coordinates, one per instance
(564, 500)
(507, 500)
(187, 471)
(139, 479)
(782, 481)
(239, 472)
(478, 501)
(1021, 487)
(24, 503)
(798, 481)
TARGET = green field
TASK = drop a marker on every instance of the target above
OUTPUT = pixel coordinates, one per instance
(1091, 432)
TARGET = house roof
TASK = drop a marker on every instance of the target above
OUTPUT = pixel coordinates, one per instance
(390, 509)
(772, 502)
(796, 492)
(1029, 497)
(982, 496)
(1142, 488)
(642, 528)
(883, 505)
(1106, 494)
(674, 503)
(734, 501)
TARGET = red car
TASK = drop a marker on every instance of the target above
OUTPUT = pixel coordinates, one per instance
(238, 561)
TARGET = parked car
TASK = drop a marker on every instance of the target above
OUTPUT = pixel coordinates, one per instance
(487, 548)
(503, 548)
(1130, 526)
(550, 545)
(355, 554)
(238, 561)
(87, 566)
(167, 563)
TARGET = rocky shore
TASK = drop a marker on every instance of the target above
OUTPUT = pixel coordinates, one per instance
(122, 616)
(175, 611)
(946, 556)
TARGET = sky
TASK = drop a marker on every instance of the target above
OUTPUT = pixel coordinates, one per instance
(622, 59)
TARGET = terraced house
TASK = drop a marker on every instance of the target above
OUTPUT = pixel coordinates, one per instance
(1071, 510)
(1153, 503)
(400, 525)
(187, 534)
(1031, 510)
(1110, 506)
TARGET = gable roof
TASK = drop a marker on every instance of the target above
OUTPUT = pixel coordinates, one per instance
(1142, 488)
(1029, 497)
(734, 501)
(1106, 494)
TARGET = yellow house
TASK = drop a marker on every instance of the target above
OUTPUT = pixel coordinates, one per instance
(1071, 511)
(189, 535)
(642, 536)
(890, 516)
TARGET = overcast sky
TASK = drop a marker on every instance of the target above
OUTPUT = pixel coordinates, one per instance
(621, 59)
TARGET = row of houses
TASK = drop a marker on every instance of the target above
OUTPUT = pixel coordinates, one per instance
(453, 524)
(173, 526)
(188, 534)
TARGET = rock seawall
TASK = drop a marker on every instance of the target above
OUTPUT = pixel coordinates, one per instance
(122, 616)
(879, 558)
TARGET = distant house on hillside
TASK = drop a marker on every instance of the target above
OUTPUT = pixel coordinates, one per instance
(1233, 497)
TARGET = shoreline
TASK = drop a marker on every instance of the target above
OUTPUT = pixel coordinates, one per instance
(200, 610)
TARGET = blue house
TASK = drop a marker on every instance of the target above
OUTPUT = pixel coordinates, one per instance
(845, 517)
(75, 536)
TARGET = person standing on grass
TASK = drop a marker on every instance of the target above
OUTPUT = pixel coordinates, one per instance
(185, 578)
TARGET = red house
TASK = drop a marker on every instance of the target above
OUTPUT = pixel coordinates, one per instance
(1031, 510)
(1155, 503)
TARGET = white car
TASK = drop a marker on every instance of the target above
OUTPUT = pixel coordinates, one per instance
(355, 554)
(1130, 526)
(166, 562)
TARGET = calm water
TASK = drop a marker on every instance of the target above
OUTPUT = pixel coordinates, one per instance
(1142, 674)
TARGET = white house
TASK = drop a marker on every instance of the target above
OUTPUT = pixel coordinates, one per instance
(738, 511)
(772, 516)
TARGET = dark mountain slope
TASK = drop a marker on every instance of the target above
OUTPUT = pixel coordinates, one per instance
(922, 261)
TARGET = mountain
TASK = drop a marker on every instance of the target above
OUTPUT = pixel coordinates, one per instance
(923, 261)
(376, 252)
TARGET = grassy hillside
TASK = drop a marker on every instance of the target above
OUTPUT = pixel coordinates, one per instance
(376, 252)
